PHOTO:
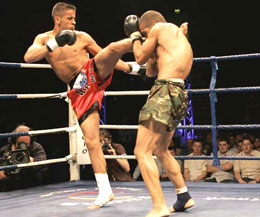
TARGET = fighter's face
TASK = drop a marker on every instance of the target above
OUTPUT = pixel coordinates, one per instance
(144, 31)
(67, 20)
(223, 147)
(247, 146)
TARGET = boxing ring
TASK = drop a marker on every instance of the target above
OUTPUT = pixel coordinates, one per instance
(131, 198)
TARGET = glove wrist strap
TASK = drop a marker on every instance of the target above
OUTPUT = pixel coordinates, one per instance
(52, 44)
(136, 38)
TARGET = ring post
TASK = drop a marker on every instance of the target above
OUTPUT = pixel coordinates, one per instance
(213, 100)
(74, 166)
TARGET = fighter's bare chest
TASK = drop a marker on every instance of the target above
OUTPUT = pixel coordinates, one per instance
(65, 52)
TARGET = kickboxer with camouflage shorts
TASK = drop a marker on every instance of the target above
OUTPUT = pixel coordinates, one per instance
(167, 53)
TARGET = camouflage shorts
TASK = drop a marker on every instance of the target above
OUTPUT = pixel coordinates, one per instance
(167, 103)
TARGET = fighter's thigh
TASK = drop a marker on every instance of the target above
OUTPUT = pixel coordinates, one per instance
(106, 60)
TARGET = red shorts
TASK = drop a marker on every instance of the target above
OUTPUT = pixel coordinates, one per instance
(87, 91)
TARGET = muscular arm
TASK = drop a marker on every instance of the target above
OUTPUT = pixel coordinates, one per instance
(143, 52)
(151, 68)
(37, 50)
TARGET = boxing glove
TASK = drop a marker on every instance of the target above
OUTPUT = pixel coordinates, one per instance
(63, 37)
(131, 24)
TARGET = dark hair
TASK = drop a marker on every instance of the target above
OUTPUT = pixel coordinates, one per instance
(105, 133)
(150, 17)
(200, 140)
(60, 7)
(223, 139)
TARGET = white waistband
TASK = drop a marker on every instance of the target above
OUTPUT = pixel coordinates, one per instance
(177, 80)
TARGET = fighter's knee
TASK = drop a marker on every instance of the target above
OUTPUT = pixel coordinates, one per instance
(91, 144)
(160, 151)
(138, 153)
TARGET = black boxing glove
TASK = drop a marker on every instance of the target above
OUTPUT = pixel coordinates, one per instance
(131, 24)
(63, 37)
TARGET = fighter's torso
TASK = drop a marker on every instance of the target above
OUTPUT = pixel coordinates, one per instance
(174, 56)
(68, 60)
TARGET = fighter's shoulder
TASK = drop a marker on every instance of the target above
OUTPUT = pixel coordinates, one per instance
(82, 35)
(44, 35)
(158, 27)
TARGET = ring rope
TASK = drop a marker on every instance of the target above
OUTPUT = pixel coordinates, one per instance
(228, 57)
(38, 163)
(129, 157)
(202, 127)
(219, 90)
(126, 93)
(34, 96)
(198, 59)
(39, 132)
(25, 65)
(179, 157)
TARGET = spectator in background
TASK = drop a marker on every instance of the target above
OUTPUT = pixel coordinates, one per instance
(235, 149)
(247, 171)
(231, 140)
(239, 146)
(257, 143)
(195, 170)
(30, 151)
(239, 137)
(117, 169)
(188, 149)
(208, 146)
(226, 166)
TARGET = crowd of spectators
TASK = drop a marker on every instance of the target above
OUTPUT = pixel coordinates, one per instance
(224, 171)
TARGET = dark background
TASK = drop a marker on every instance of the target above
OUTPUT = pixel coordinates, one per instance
(216, 28)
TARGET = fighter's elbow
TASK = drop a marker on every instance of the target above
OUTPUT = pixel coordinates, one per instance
(139, 60)
(27, 58)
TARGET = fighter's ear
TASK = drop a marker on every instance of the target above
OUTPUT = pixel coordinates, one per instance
(57, 19)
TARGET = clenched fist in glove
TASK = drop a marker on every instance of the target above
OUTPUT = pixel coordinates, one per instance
(63, 37)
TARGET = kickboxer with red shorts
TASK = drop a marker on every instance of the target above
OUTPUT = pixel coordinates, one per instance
(67, 51)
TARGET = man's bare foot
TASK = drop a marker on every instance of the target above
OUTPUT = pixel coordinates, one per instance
(158, 213)
(190, 203)
(101, 202)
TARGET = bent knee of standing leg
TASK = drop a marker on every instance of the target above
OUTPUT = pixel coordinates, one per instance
(160, 152)
(139, 153)
(92, 144)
